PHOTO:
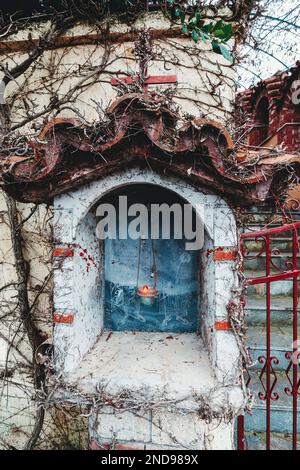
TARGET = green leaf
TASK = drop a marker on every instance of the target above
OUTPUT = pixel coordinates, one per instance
(216, 47)
(195, 36)
(204, 36)
(182, 17)
(218, 25)
(177, 12)
(185, 28)
(225, 52)
(219, 33)
(228, 31)
(198, 18)
(225, 33)
(207, 27)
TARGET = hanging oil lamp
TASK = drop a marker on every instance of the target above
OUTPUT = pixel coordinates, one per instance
(146, 293)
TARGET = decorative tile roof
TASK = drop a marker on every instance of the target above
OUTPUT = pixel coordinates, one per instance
(140, 129)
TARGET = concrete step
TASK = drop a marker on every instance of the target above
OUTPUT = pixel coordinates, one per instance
(281, 334)
(284, 401)
(275, 237)
(279, 441)
(283, 262)
(281, 409)
(263, 217)
(283, 244)
(281, 343)
(278, 288)
(266, 215)
(281, 310)
(281, 420)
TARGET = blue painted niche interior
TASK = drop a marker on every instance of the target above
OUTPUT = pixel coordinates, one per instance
(175, 308)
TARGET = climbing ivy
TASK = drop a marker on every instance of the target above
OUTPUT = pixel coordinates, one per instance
(217, 33)
(189, 13)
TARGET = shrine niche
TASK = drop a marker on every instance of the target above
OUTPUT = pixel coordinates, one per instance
(178, 355)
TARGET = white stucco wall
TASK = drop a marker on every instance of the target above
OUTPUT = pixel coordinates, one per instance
(205, 79)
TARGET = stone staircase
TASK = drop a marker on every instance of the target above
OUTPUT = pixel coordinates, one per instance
(281, 339)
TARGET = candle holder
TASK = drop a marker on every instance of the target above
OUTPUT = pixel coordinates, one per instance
(147, 294)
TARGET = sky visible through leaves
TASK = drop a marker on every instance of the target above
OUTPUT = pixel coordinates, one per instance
(273, 44)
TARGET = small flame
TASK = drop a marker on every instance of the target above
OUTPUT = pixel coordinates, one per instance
(147, 292)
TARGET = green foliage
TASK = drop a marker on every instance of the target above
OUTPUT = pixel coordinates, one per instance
(218, 33)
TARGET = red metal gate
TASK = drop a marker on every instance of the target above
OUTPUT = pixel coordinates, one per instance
(274, 273)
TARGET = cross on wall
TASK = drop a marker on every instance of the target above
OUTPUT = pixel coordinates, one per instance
(144, 53)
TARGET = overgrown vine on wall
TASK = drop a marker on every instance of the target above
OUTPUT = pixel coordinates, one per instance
(192, 15)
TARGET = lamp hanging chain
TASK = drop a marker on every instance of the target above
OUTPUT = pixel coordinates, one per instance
(153, 268)
(139, 263)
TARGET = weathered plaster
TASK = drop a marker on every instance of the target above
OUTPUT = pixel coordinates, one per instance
(77, 205)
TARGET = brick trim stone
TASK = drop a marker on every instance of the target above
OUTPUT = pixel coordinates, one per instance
(67, 318)
(63, 252)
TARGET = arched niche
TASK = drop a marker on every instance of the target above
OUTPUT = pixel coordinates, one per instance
(79, 278)
(261, 122)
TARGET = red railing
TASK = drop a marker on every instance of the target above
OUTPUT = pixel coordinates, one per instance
(275, 273)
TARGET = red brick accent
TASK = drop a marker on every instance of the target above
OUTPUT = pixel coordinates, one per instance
(223, 325)
(128, 447)
(67, 318)
(63, 252)
(155, 80)
(94, 445)
(225, 255)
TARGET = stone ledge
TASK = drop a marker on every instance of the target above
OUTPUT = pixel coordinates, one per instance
(151, 371)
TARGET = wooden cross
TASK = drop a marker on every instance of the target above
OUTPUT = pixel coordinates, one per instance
(149, 80)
